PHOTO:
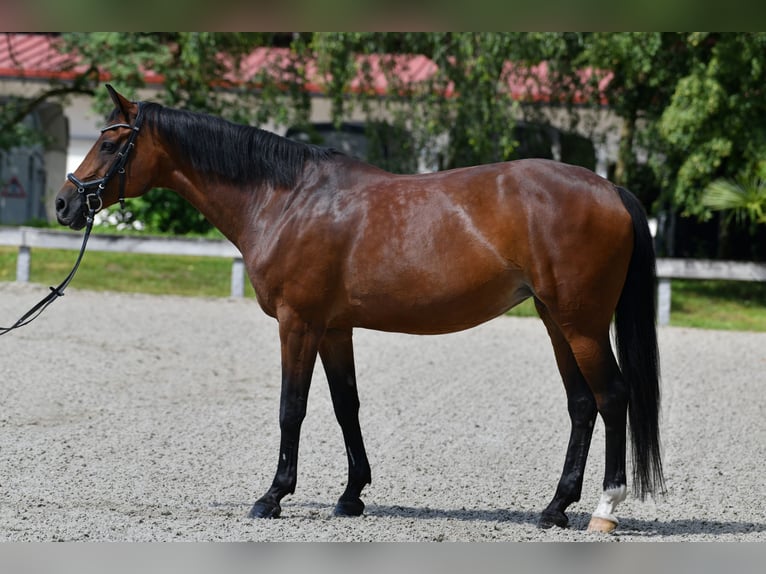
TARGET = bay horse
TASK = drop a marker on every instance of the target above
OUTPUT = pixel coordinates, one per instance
(331, 243)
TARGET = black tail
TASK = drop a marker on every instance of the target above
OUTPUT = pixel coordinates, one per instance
(636, 337)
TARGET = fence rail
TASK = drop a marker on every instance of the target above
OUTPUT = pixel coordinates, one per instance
(25, 238)
(669, 268)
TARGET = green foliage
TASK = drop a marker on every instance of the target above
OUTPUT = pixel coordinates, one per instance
(480, 115)
(643, 68)
(714, 126)
(193, 66)
(465, 102)
(161, 211)
(745, 201)
(13, 132)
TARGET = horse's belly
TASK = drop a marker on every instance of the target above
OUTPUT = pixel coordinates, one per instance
(423, 310)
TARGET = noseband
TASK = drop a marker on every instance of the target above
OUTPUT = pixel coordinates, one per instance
(92, 189)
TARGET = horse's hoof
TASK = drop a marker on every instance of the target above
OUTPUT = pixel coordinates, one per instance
(549, 519)
(350, 507)
(265, 509)
(598, 524)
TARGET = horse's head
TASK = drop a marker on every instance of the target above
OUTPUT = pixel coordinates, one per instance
(114, 168)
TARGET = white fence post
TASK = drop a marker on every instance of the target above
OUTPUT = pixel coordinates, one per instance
(663, 301)
(237, 277)
(22, 264)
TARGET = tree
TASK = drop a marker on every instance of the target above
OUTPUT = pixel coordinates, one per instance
(714, 129)
(715, 123)
(643, 69)
(463, 100)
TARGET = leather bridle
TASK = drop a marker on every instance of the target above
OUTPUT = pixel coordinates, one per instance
(92, 189)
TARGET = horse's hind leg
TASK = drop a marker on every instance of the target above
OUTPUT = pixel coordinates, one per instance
(603, 375)
(598, 366)
(582, 413)
(336, 352)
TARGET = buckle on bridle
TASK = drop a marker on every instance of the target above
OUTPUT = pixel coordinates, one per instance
(97, 196)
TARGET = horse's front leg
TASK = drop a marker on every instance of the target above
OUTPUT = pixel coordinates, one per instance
(337, 354)
(300, 342)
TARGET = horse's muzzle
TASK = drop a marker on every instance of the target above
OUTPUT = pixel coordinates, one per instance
(70, 208)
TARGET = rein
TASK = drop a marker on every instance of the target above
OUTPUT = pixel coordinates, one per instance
(56, 292)
(94, 203)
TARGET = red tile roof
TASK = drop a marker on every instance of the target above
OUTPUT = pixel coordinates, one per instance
(32, 56)
(38, 56)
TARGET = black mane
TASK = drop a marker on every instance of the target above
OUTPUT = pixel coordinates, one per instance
(232, 152)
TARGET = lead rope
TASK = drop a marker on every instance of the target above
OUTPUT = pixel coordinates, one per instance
(56, 292)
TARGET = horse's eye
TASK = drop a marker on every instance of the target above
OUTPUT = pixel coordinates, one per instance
(108, 147)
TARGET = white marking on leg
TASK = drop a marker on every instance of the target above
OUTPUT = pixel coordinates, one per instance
(610, 498)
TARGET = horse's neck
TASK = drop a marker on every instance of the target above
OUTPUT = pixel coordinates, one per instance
(241, 211)
(224, 205)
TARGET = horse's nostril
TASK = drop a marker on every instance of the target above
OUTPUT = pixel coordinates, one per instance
(60, 204)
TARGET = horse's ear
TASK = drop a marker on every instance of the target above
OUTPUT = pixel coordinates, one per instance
(120, 102)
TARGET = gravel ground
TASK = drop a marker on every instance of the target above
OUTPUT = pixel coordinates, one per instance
(143, 418)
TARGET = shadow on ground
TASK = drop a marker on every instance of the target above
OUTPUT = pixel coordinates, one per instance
(577, 520)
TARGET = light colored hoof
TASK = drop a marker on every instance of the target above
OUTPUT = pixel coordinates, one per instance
(598, 524)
